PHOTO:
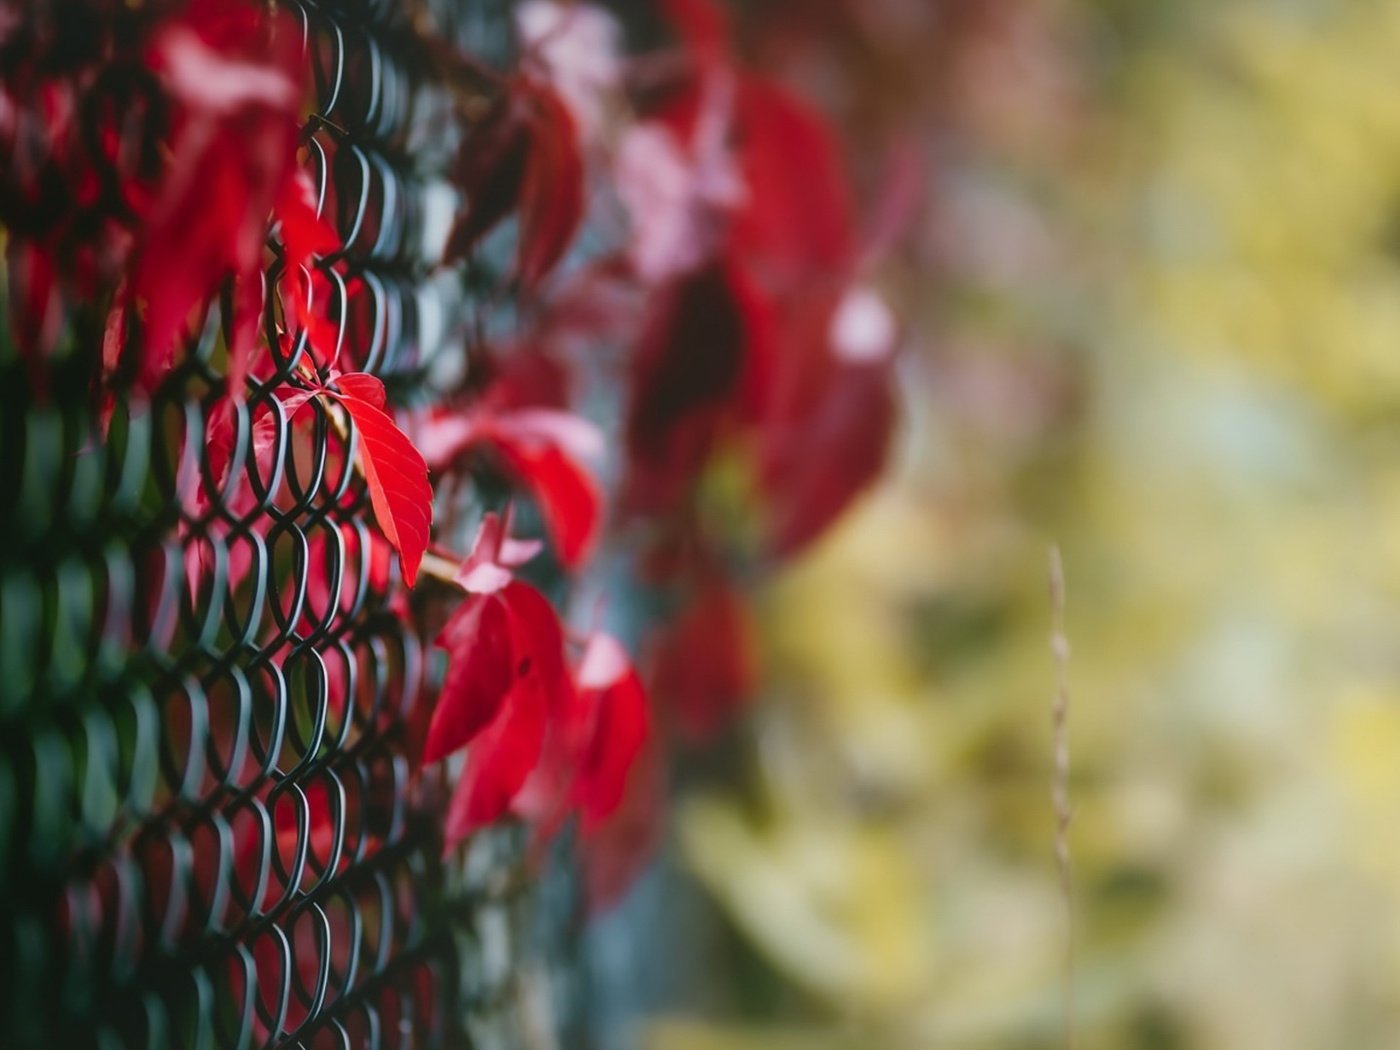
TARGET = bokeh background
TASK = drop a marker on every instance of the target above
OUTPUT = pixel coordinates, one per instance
(1153, 316)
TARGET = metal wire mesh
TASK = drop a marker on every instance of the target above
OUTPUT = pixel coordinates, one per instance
(210, 830)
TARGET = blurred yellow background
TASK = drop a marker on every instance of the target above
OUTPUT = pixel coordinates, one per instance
(1155, 319)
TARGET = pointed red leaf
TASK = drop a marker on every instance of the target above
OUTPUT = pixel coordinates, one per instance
(611, 691)
(498, 763)
(479, 676)
(544, 799)
(364, 386)
(397, 479)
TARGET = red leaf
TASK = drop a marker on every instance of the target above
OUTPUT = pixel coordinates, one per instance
(617, 850)
(479, 676)
(34, 302)
(502, 758)
(234, 76)
(304, 233)
(498, 762)
(551, 197)
(524, 156)
(490, 169)
(567, 495)
(363, 386)
(797, 225)
(824, 434)
(704, 667)
(541, 450)
(706, 333)
(545, 797)
(702, 24)
(397, 479)
(612, 693)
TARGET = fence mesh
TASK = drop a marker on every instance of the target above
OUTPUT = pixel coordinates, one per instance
(210, 681)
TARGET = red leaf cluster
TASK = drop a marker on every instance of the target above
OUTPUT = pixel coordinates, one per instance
(543, 738)
(153, 167)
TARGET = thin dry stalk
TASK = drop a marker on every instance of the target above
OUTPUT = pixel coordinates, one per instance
(1059, 788)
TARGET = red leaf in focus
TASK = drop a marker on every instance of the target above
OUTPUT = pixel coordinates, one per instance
(363, 386)
(397, 479)
(612, 692)
(479, 676)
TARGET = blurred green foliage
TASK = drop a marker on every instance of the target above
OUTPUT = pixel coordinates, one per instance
(1156, 319)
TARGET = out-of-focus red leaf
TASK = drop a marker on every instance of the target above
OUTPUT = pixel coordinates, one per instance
(678, 177)
(702, 24)
(397, 479)
(480, 674)
(797, 225)
(708, 334)
(825, 431)
(704, 668)
(489, 170)
(612, 693)
(551, 196)
(494, 554)
(304, 233)
(234, 73)
(567, 495)
(615, 851)
(524, 156)
(541, 449)
(33, 299)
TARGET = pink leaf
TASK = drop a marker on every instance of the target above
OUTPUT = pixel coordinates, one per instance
(487, 568)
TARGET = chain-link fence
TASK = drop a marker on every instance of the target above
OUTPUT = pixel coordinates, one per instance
(211, 687)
